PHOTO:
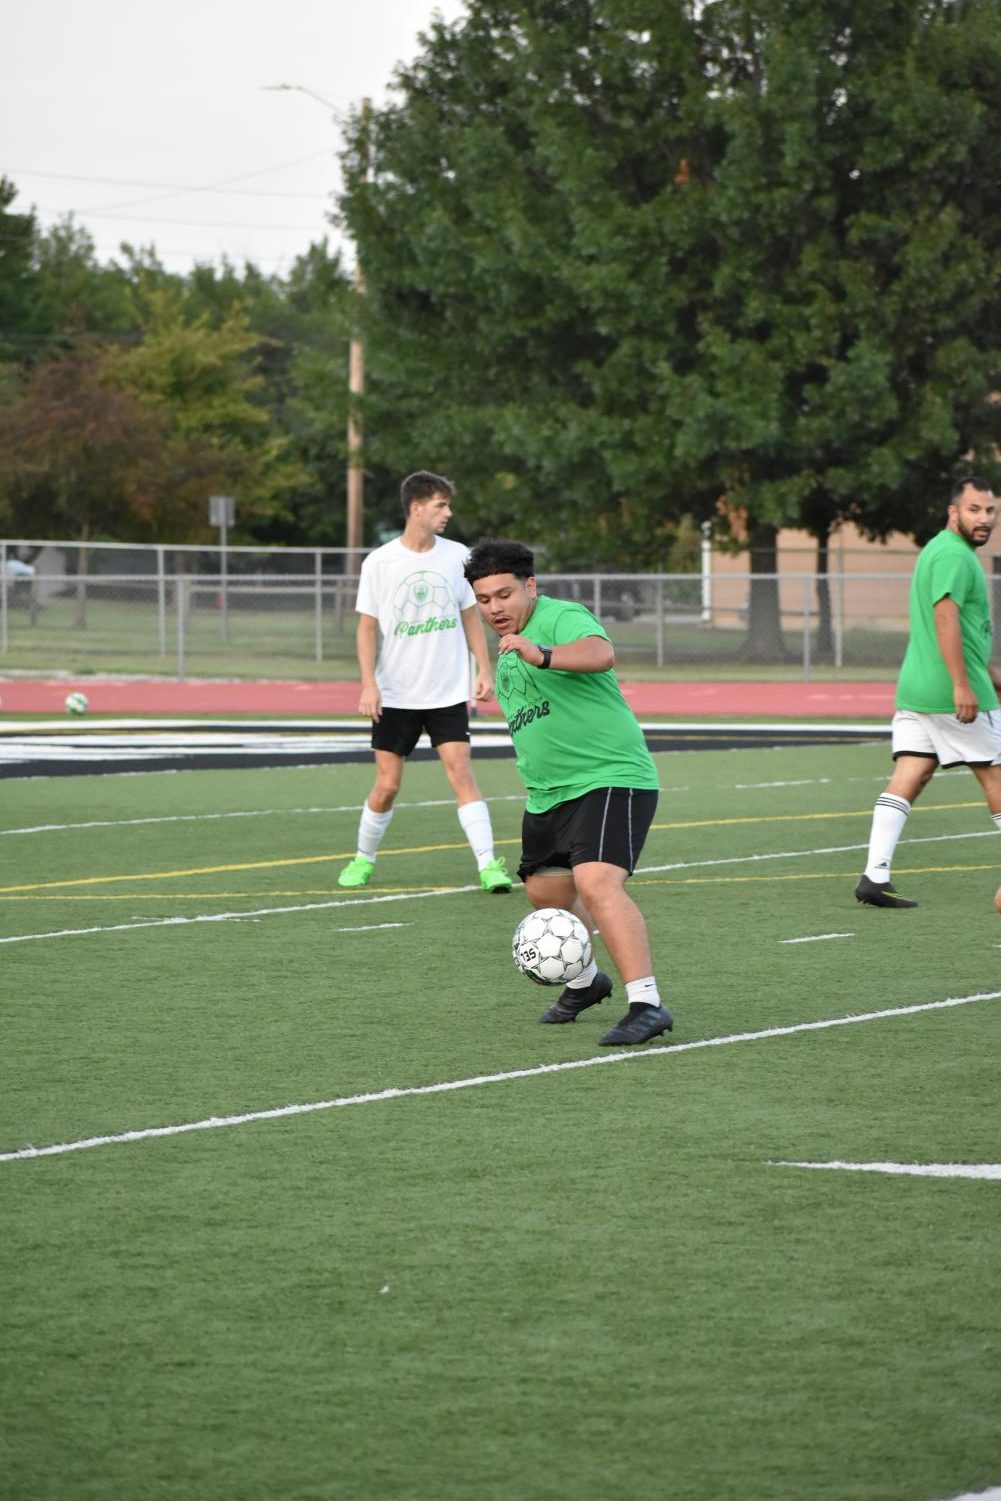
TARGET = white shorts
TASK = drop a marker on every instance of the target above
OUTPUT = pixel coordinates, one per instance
(946, 740)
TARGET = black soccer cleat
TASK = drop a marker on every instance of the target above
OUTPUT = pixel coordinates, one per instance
(640, 1024)
(571, 1003)
(877, 894)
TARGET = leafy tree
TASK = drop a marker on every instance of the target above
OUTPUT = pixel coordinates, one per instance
(17, 240)
(629, 258)
(83, 459)
(203, 383)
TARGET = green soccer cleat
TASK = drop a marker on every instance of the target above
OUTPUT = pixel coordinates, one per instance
(358, 873)
(494, 876)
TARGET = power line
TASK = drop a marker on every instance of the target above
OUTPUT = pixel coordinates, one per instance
(211, 187)
(91, 213)
(129, 182)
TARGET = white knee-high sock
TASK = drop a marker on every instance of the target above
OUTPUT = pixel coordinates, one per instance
(475, 820)
(888, 819)
(371, 828)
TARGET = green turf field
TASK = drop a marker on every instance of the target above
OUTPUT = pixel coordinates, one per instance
(565, 1274)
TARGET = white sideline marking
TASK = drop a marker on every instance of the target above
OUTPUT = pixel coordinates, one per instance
(817, 938)
(404, 896)
(124, 823)
(994, 1494)
(174, 922)
(825, 849)
(909, 1169)
(282, 1112)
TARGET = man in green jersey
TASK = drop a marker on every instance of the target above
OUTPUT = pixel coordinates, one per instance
(592, 785)
(947, 701)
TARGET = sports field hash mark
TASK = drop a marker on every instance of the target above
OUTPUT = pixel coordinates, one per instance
(908, 1169)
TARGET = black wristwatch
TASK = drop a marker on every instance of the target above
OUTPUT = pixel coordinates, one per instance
(547, 654)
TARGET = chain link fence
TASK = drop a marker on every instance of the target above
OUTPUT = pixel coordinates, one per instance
(252, 613)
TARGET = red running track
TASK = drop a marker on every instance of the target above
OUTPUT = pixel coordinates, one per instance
(131, 696)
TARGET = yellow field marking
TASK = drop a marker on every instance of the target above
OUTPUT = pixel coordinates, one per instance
(427, 849)
(209, 896)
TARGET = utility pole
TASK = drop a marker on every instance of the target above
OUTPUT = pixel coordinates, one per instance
(355, 527)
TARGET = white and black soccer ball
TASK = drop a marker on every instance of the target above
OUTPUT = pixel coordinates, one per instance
(551, 946)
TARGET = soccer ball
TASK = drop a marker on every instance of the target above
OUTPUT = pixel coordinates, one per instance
(76, 703)
(551, 946)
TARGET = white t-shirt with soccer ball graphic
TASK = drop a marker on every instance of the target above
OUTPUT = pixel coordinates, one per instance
(417, 598)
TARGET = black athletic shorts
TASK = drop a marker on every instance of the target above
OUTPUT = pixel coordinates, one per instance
(398, 730)
(609, 824)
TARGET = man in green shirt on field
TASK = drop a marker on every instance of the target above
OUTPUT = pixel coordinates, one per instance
(592, 785)
(947, 701)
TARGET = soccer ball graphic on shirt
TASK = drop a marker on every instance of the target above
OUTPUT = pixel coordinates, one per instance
(551, 946)
(421, 597)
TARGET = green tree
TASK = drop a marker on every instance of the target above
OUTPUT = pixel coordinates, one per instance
(203, 382)
(18, 232)
(83, 459)
(628, 259)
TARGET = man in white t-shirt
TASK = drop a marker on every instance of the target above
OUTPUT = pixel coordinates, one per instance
(413, 594)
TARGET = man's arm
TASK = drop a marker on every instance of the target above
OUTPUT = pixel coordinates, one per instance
(477, 643)
(950, 644)
(589, 654)
(367, 641)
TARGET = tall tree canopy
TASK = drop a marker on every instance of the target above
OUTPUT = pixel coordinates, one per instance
(630, 258)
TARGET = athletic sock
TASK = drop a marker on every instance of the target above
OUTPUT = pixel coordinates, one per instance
(997, 820)
(475, 820)
(888, 819)
(643, 992)
(371, 828)
(583, 980)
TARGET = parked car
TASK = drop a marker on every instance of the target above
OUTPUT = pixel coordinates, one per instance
(615, 599)
(20, 583)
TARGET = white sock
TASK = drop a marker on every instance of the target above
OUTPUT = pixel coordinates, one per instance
(371, 827)
(888, 819)
(584, 979)
(475, 820)
(643, 992)
(997, 819)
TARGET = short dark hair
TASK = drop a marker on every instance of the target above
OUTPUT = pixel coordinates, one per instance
(493, 555)
(974, 481)
(423, 485)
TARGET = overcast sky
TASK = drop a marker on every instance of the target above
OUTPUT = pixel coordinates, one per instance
(119, 111)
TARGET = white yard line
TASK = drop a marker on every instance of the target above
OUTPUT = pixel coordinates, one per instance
(175, 922)
(403, 896)
(125, 823)
(994, 1494)
(283, 1112)
(817, 938)
(908, 1169)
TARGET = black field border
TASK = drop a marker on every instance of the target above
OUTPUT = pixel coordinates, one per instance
(24, 746)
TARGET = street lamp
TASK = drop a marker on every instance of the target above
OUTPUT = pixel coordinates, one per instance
(356, 371)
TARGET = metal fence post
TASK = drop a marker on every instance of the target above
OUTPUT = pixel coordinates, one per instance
(660, 620)
(4, 644)
(806, 628)
(318, 572)
(161, 602)
(180, 605)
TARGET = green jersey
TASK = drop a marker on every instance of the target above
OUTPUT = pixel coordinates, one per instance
(947, 566)
(573, 731)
